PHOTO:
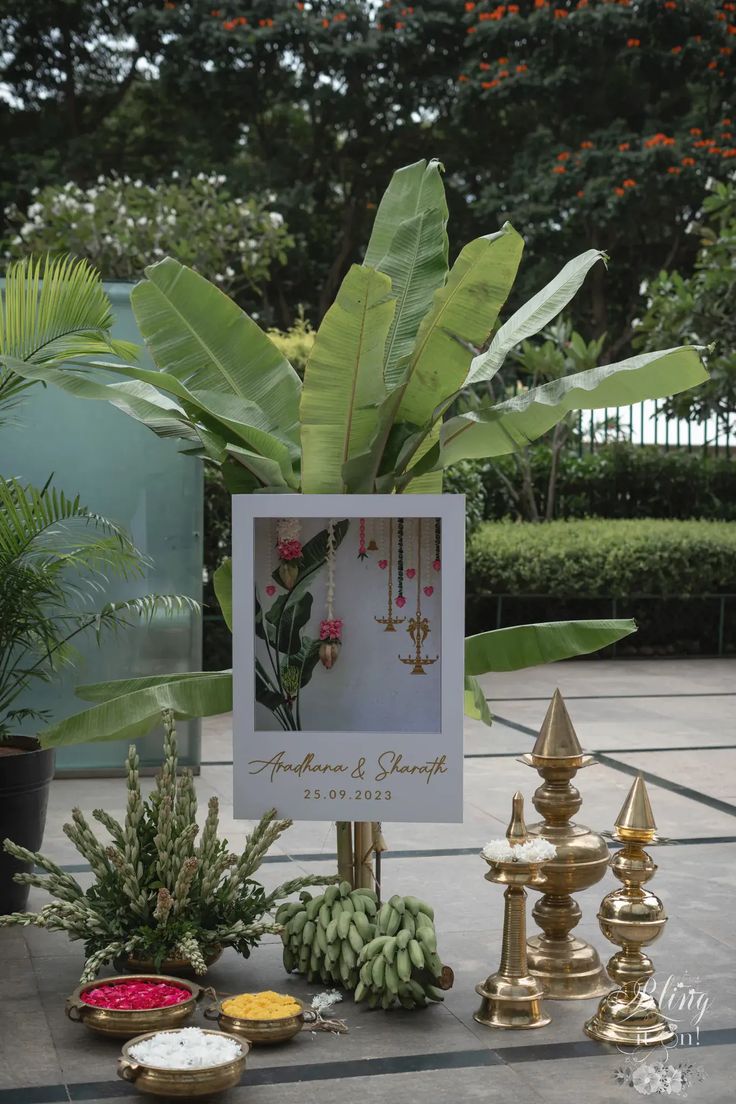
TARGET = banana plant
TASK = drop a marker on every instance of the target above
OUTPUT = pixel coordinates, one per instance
(379, 409)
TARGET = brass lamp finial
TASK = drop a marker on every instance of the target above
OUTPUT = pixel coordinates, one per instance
(516, 831)
(636, 819)
(557, 738)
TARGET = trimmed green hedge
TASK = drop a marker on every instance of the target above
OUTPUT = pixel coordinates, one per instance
(610, 558)
(597, 568)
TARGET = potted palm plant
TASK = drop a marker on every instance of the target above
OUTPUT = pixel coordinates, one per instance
(55, 557)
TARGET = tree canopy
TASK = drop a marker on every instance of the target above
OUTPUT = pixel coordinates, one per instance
(588, 123)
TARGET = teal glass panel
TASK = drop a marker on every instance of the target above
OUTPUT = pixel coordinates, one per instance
(122, 470)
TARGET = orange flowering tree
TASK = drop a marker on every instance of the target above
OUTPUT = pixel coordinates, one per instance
(600, 121)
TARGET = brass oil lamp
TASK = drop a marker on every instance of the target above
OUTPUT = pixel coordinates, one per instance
(568, 967)
(632, 917)
(512, 997)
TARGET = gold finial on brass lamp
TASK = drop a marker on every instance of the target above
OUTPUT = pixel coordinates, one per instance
(632, 917)
(512, 997)
(568, 967)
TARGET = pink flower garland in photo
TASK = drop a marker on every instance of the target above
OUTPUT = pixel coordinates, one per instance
(289, 549)
(330, 628)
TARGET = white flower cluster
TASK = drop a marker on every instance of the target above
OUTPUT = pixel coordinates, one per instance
(533, 851)
(323, 1002)
(122, 224)
(187, 1048)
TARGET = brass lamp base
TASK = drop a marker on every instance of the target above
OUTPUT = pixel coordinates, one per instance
(567, 969)
(635, 1023)
(513, 1003)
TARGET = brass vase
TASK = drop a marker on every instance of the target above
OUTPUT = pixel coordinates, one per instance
(633, 917)
(568, 967)
(512, 997)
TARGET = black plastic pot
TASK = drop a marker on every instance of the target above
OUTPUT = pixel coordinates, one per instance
(25, 778)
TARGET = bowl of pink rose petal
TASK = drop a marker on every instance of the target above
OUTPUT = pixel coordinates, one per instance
(125, 1006)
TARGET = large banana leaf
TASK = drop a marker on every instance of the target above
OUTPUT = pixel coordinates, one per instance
(508, 426)
(416, 264)
(520, 646)
(138, 400)
(413, 189)
(461, 318)
(196, 333)
(343, 382)
(131, 708)
(537, 313)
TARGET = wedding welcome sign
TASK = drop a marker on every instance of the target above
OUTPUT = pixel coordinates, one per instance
(348, 642)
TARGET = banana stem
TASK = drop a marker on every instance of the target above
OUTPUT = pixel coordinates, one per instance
(345, 851)
(363, 855)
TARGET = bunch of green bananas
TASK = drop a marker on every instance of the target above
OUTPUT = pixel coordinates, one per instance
(387, 955)
(400, 964)
(324, 935)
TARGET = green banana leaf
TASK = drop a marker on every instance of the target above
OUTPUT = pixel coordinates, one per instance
(520, 646)
(138, 400)
(131, 708)
(412, 190)
(474, 701)
(222, 581)
(462, 316)
(508, 426)
(416, 264)
(196, 333)
(537, 313)
(343, 381)
(288, 619)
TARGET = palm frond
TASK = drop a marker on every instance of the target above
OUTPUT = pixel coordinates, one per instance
(53, 309)
(48, 527)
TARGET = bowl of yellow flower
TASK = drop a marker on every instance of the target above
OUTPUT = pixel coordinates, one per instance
(261, 1018)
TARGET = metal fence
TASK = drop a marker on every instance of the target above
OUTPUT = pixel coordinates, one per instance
(645, 424)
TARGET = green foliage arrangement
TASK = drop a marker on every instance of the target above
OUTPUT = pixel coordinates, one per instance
(296, 343)
(386, 953)
(600, 557)
(158, 894)
(684, 306)
(119, 225)
(388, 402)
(615, 481)
(55, 557)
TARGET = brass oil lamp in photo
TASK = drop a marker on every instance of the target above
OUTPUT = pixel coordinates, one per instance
(632, 917)
(512, 997)
(568, 967)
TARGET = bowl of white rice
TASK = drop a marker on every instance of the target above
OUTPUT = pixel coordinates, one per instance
(185, 1063)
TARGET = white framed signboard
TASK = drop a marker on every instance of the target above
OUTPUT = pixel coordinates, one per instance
(348, 646)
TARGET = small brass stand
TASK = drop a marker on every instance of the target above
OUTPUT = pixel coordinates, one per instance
(568, 967)
(632, 917)
(512, 997)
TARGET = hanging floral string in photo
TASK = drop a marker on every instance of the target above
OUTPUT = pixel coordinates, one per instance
(419, 627)
(330, 628)
(386, 564)
(289, 549)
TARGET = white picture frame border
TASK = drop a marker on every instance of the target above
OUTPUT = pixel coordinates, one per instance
(444, 801)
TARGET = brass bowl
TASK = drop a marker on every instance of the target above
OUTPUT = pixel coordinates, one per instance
(260, 1032)
(172, 967)
(123, 1023)
(182, 1083)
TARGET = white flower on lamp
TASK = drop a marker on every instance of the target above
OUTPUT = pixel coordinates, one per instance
(533, 851)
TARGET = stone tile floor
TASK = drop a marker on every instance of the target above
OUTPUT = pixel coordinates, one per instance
(673, 720)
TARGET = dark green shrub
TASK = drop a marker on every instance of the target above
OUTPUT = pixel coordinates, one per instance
(519, 573)
(466, 478)
(610, 558)
(620, 481)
